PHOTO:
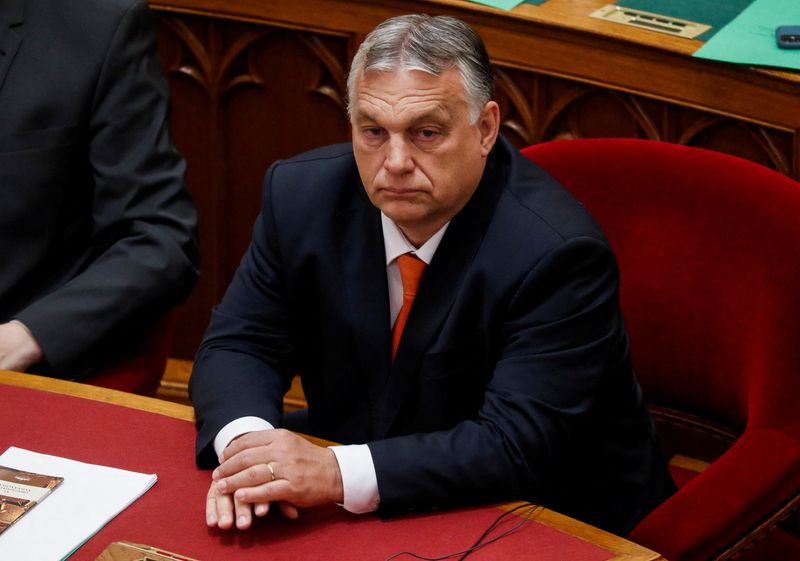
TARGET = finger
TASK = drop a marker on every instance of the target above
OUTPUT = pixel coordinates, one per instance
(261, 509)
(278, 490)
(253, 476)
(239, 462)
(212, 516)
(289, 510)
(251, 457)
(244, 514)
(224, 506)
(253, 439)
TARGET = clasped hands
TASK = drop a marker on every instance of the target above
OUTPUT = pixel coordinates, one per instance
(270, 466)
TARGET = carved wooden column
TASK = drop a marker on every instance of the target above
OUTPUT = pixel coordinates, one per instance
(243, 96)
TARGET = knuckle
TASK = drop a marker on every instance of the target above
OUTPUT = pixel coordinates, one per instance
(253, 475)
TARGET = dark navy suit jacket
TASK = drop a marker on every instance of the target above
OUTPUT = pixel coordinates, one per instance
(97, 229)
(512, 379)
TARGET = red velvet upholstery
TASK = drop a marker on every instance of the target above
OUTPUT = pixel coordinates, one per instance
(709, 254)
(141, 368)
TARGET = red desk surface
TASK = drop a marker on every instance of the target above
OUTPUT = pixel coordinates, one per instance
(171, 516)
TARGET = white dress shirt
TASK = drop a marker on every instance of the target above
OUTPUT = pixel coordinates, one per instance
(359, 480)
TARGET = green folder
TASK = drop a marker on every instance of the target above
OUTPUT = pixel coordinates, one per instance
(750, 37)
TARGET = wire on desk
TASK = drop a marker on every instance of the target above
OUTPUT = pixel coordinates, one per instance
(480, 543)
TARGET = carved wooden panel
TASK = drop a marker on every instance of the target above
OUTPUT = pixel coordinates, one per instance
(536, 108)
(243, 96)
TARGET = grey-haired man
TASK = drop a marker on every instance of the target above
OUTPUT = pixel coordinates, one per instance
(511, 378)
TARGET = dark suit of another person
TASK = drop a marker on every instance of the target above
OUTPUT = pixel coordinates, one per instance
(97, 229)
(512, 379)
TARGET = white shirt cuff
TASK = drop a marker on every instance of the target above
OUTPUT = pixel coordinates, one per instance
(238, 427)
(359, 481)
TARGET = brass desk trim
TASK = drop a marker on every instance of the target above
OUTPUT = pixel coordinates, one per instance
(651, 21)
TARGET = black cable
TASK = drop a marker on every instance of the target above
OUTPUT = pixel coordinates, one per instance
(479, 543)
(525, 518)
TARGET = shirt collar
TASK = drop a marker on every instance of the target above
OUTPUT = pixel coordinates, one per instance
(395, 243)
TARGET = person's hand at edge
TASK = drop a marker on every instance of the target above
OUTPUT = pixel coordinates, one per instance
(18, 348)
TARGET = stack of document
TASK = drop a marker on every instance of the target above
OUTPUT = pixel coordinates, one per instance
(87, 500)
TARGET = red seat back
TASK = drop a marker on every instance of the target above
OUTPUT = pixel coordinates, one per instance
(140, 369)
(709, 253)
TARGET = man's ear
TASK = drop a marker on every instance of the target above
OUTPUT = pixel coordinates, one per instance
(489, 126)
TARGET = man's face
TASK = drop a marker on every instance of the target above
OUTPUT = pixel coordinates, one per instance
(419, 156)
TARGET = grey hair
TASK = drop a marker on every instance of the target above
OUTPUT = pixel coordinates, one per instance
(430, 44)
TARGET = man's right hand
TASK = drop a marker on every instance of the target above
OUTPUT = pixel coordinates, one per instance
(222, 510)
(18, 349)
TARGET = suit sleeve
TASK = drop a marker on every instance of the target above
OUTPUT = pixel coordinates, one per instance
(562, 334)
(144, 248)
(247, 359)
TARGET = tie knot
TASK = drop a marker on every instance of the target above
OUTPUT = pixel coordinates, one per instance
(411, 269)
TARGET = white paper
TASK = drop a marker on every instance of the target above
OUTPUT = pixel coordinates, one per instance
(87, 500)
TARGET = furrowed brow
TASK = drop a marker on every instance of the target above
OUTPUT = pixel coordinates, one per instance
(362, 115)
(437, 115)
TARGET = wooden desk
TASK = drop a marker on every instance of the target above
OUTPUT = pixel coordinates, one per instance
(158, 520)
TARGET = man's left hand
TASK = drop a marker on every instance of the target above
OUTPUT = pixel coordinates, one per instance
(277, 465)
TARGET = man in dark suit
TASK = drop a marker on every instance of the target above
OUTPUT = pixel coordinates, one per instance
(97, 229)
(511, 377)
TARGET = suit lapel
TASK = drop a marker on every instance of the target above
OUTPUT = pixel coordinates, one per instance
(439, 287)
(363, 260)
(11, 12)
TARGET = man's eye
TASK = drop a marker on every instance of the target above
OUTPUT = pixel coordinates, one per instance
(427, 134)
(373, 132)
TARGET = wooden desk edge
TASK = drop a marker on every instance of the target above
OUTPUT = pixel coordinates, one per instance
(115, 397)
(86, 391)
(623, 550)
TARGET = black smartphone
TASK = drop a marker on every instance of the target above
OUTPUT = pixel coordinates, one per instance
(788, 36)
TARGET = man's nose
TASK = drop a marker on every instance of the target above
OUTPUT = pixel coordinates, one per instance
(398, 159)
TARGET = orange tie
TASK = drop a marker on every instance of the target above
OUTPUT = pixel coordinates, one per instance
(411, 269)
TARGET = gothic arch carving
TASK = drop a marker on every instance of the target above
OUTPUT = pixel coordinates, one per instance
(209, 63)
(754, 140)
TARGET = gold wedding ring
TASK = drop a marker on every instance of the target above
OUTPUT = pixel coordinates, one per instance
(271, 472)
